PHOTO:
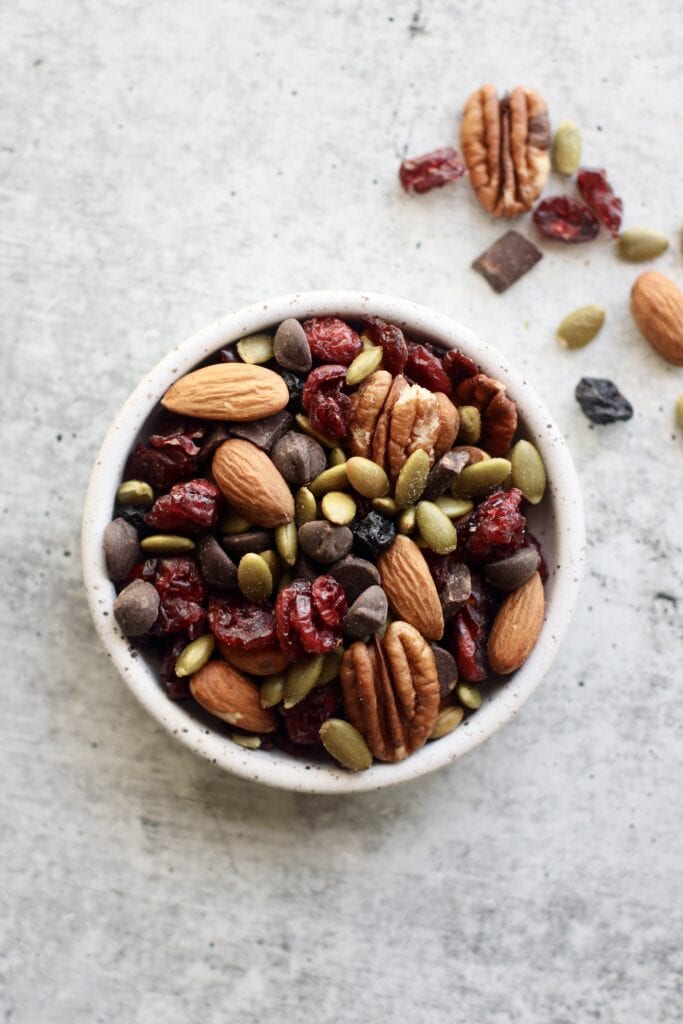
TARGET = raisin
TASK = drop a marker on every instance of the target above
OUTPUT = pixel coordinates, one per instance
(328, 407)
(329, 600)
(564, 220)
(303, 721)
(237, 622)
(392, 341)
(230, 355)
(187, 506)
(432, 170)
(426, 369)
(372, 535)
(469, 635)
(494, 530)
(169, 460)
(183, 593)
(458, 366)
(295, 386)
(332, 340)
(598, 193)
(601, 400)
(302, 617)
(176, 687)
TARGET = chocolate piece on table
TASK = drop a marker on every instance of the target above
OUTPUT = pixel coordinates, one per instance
(507, 260)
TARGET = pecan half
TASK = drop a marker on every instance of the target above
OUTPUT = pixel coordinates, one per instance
(505, 144)
(391, 691)
(381, 438)
(449, 423)
(498, 412)
(366, 407)
(415, 423)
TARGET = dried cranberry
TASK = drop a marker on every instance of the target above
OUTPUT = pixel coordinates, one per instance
(392, 340)
(328, 377)
(329, 600)
(426, 369)
(183, 593)
(470, 632)
(168, 461)
(432, 170)
(287, 633)
(176, 687)
(142, 570)
(564, 220)
(598, 193)
(303, 721)
(458, 366)
(301, 629)
(237, 622)
(494, 530)
(328, 407)
(192, 505)
(332, 340)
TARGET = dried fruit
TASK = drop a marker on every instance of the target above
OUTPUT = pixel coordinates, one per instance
(427, 370)
(580, 327)
(227, 391)
(332, 340)
(237, 622)
(640, 244)
(187, 506)
(252, 484)
(329, 600)
(372, 535)
(509, 258)
(528, 471)
(295, 390)
(431, 170)
(657, 308)
(598, 193)
(303, 722)
(563, 219)
(470, 633)
(299, 611)
(168, 460)
(327, 405)
(495, 529)
(458, 366)
(256, 349)
(517, 627)
(566, 148)
(601, 400)
(345, 744)
(183, 593)
(392, 342)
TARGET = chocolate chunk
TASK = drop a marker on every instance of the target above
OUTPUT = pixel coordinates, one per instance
(443, 474)
(446, 670)
(218, 569)
(121, 548)
(216, 437)
(238, 544)
(136, 608)
(291, 347)
(264, 433)
(324, 542)
(507, 260)
(367, 614)
(456, 591)
(305, 569)
(355, 576)
(299, 458)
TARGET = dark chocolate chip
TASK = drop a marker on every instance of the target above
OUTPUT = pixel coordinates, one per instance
(324, 542)
(443, 474)
(510, 573)
(507, 260)
(218, 569)
(446, 669)
(121, 548)
(367, 614)
(264, 433)
(238, 544)
(299, 458)
(291, 348)
(355, 576)
(136, 608)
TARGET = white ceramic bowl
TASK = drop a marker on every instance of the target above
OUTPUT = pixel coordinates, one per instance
(558, 522)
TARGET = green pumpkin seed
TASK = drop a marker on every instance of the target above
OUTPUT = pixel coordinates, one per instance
(338, 508)
(305, 507)
(234, 523)
(469, 431)
(166, 544)
(136, 493)
(580, 327)
(469, 696)
(566, 148)
(639, 244)
(406, 520)
(679, 410)
(254, 578)
(272, 690)
(528, 471)
(301, 678)
(330, 667)
(345, 744)
(256, 349)
(367, 478)
(480, 477)
(454, 508)
(248, 742)
(385, 507)
(412, 479)
(272, 560)
(287, 543)
(337, 457)
(333, 479)
(195, 655)
(305, 424)
(435, 528)
(446, 721)
(369, 360)
(367, 342)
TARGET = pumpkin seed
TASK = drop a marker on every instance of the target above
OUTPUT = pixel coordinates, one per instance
(248, 742)
(330, 667)
(272, 690)
(639, 244)
(580, 327)
(369, 360)
(385, 507)
(435, 528)
(301, 678)
(528, 471)
(367, 342)
(254, 578)
(469, 431)
(454, 508)
(166, 544)
(469, 696)
(136, 493)
(195, 655)
(367, 478)
(305, 507)
(272, 560)
(480, 477)
(345, 744)
(679, 410)
(446, 721)
(305, 424)
(412, 479)
(566, 148)
(256, 349)
(233, 523)
(339, 508)
(406, 520)
(286, 541)
(337, 457)
(333, 479)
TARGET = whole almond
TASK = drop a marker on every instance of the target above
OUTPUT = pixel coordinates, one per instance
(228, 391)
(657, 308)
(517, 626)
(226, 693)
(410, 587)
(260, 661)
(252, 484)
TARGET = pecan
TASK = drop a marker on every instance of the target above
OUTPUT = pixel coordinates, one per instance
(381, 438)
(505, 144)
(366, 406)
(449, 422)
(391, 691)
(498, 412)
(414, 424)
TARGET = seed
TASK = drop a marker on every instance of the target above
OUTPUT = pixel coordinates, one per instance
(305, 424)
(254, 578)
(528, 471)
(481, 477)
(345, 744)
(454, 508)
(286, 541)
(166, 544)
(338, 507)
(640, 244)
(580, 327)
(195, 655)
(469, 696)
(679, 410)
(305, 507)
(301, 678)
(364, 364)
(406, 520)
(566, 148)
(469, 431)
(446, 721)
(136, 493)
(337, 457)
(257, 348)
(233, 523)
(331, 664)
(367, 478)
(412, 479)
(272, 560)
(367, 342)
(248, 742)
(385, 507)
(435, 528)
(272, 690)
(332, 479)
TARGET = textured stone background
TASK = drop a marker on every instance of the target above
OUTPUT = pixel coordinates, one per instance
(164, 162)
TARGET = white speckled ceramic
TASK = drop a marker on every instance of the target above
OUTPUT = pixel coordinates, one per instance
(558, 523)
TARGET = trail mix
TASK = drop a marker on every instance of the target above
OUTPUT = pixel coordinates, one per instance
(324, 539)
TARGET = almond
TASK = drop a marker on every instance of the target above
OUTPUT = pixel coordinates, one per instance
(516, 627)
(228, 391)
(410, 588)
(226, 693)
(261, 661)
(251, 483)
(657, 307)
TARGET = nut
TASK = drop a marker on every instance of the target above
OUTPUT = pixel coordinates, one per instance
(345, 744)
(291, 347)
(136, 608)
(516, 627)
(299, 458)
(498, 412)
(505, 145)
(228, 391)
(226, 693)
(251, 483)
(657, 307)
(366, 405)
(121, 548)
(380, 439)
(415, 426)
(259, 661)
(449, 424)
(410, 587)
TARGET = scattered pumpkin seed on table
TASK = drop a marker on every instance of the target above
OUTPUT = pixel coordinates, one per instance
(580, 327)
(640, 244)
(566, 148)
(679, 410)
(528, 471)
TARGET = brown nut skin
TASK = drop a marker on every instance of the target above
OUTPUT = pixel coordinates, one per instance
(226, 693)
(414, 424)
(657, 308)
(251, 483)
(410, 587)
(498, 412)
(449, 424)
(367, 404)
(516, 627)
(263, 661)
(136, 608)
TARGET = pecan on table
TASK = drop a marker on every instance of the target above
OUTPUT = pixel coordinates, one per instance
(498, 412)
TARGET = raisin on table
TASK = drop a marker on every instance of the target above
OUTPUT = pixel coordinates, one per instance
(602, 401)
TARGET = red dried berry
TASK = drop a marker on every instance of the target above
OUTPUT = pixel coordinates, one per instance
(598, 193)
(325, 378)
(329, 409)
(494, 530)
(564, 220)
(329, 600)
(169, 460)
(176, 687)
(187, 506)
(426, 369)
(332, 340)
(301, 629)
(392, 340)
(471, 628)
(237, 622)
(458, 366)
(182, 592)
(142, 570)
(432, 170)
(303, 721)
(287, 633)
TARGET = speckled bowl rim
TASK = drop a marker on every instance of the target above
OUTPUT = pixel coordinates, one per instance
(274, 768)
